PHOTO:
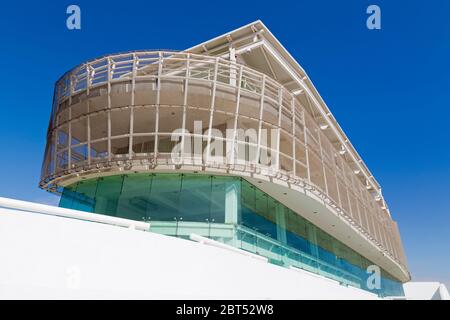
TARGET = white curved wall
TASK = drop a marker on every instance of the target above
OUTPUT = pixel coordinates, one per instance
(45, 256)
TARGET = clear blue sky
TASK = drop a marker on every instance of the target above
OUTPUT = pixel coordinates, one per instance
(389, 89)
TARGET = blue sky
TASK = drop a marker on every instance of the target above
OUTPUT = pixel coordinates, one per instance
(389, 89)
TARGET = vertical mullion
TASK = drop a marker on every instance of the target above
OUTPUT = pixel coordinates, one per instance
(294, 117)
(212, 106)
(308, 171)
(109, 109)
(261, 110)
(88, 120)
(336, 177)
(323, 162)
(158, 94)
(238, 97)
(130, 146)
(55, 149)
(186, 87)
(69, 143)
(133, 89)
(280, 107)
(88, 116)
(69, 151)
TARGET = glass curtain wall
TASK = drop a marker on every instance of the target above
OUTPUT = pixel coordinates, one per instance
(230, 210)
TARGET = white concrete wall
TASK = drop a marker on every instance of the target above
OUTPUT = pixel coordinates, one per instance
(426, 291)
(44, 256)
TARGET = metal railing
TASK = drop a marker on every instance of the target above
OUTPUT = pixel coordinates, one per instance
(72, 214)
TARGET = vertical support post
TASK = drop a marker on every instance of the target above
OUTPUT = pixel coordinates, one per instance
(211, 116)
(158, 97)
(308, 169)
(88, 106)
(130, 144)
(261, 110)
(323, 163)
(133, 89)
(294, 119)
(89, 139)
(280, 106)
(185, 97)
(238, 96)
(55, 149)
(233, 68)
(69, 143)
(231, 203)
(109, 109)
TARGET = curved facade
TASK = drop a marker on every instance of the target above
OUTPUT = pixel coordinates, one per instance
(159, 112)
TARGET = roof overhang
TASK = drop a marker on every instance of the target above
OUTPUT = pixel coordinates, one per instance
(258, 48)
(255, 46)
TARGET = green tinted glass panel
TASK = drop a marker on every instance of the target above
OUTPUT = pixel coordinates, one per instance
(227, 209)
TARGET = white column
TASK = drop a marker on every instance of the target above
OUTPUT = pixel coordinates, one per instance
(233, 70)
(231, 203)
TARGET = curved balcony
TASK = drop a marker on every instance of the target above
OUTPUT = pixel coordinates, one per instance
(164, 111)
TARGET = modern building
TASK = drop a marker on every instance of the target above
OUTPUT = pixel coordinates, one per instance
(230, 142)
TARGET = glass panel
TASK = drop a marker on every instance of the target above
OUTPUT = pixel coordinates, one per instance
(107, 195)
(270, 112)
(170, 119)
(120, 94)
(195, 198)
(164, 197)
(62, 160)
(225, 99)
(197, 120)
(134, 197)
(120, 122)
(79, 131)
(286, 164)
(145, 92)
(249, 105)
(144, 144)
(63, 137)
(181, 204)
(199, 93)
(84, 198)
(298, 232)
(286, 144)
(165, 144)
(99, 150)
(222, 122)
(300, 152)
(67, 196)
(99, 125)
(316, 171)
(79, 153)
(120, 146)
(144, 120)
(286, 120)
(172, 90)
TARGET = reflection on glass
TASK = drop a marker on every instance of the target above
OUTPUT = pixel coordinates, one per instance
(228, 209)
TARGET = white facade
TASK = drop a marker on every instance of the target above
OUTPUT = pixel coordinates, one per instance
(53, 257)
(426, 291)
